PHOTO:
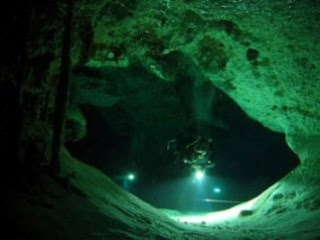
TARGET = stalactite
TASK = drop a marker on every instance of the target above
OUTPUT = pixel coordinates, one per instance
(62, 92)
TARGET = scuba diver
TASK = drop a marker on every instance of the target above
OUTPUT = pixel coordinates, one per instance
(196, 152)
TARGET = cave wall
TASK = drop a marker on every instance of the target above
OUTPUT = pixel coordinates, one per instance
(259, 62)
(263, 54)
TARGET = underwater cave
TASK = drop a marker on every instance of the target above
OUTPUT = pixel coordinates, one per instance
(134, 136)
(160, 119)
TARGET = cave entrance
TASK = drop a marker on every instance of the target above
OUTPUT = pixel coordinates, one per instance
(129, 139)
